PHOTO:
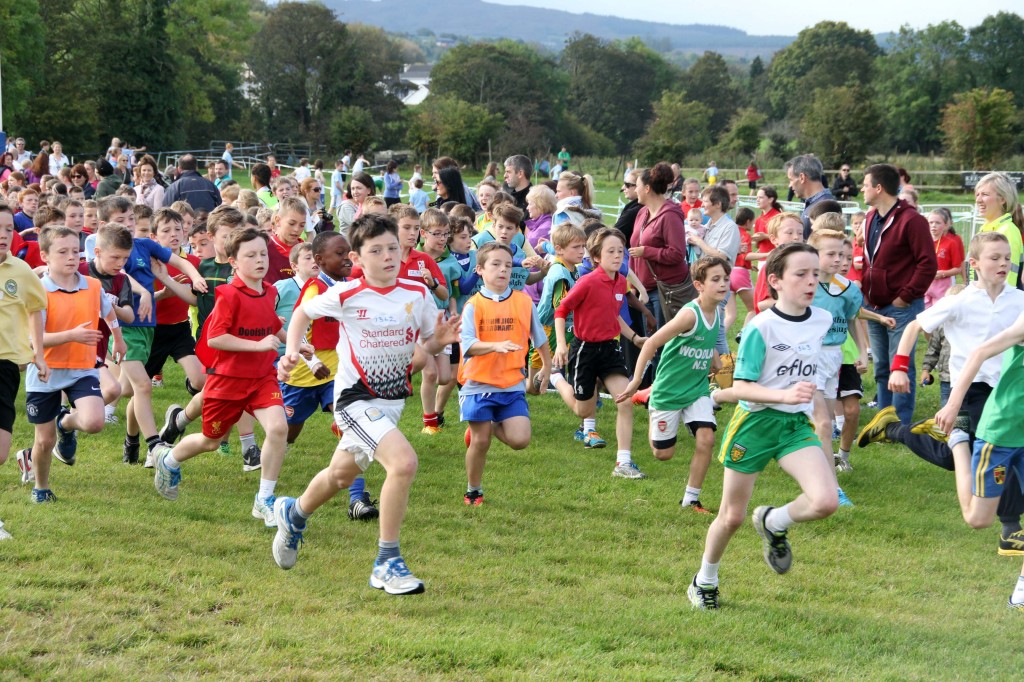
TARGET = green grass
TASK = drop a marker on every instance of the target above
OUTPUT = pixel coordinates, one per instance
(563, 573)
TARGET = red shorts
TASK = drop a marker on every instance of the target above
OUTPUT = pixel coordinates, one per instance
(226, 398)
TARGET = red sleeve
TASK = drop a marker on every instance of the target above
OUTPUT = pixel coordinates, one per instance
(357, 272)
(956, 255)
(220, 320)
(435, 271)
(574, 298)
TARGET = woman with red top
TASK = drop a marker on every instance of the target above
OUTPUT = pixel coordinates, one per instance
(949, 252)
(657, 247)
(768, 203)
(753, 175)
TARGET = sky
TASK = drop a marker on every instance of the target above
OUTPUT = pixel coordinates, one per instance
(760, 17)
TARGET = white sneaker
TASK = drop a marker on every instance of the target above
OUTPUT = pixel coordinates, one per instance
(630, 470)
(150, 460)
(394, 577)
(263, 509)
(4, 535)
(24, 458)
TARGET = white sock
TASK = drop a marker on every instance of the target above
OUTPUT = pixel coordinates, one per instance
(623, 457)
(692, 495)
(778, 520)
(107, 411)
(957, 436)
(708, 574)
(844, 454)
(1018, 592)
(170, 462)
(589, 425)
(266, 488)
(247, 441)
(556, 378)
(841, 421)
(182, 420)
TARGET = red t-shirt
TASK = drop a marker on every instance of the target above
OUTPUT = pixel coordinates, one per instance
(761, 227)
(745, 245)
(279, 260)
(172, 310)
(949, 251)
(26, 251)
(594, 302)
(761, 291)
(856, 275)
(410, 268)
(247, 314)
(686, 207)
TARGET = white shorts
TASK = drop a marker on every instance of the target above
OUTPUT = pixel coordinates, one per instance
(827, 377)
(364, 424)
(664, 428)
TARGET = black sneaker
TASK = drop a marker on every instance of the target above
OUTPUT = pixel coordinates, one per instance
(440, 420)
(363, 509)
(1012, 544)
(704, 597)
(131, 452)
(170, 432)
(251, 458)
(777, 552)
(67, 441)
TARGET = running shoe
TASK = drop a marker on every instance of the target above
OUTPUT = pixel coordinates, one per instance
(704, 597)
(431, 430)
(695, 506)
(843, 466)
(1012, 544)
(777, 552)
(224, 448)
(593, 441)
(24, 458)
(170, 432)
(43, 496)
(874, 432)
(473, 498)
(1015, 605)
(336, 431)
(251, 458)
(928, 427)
(394, 577)
(628, 470)
(580, 435)
(263, 509)
(158, 381)
(110, 418)
(363, 509)
(165, 479)
(67, 441)
(844, 501)
(836, 432)
(285, 547)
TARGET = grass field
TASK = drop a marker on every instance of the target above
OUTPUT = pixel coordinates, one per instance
(565, 573)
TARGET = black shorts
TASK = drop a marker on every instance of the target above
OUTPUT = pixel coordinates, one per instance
(849, 382)
(170, 341)
(10, 381)
(590, 361)
(456, 355)
(752, 184)
(45, 406)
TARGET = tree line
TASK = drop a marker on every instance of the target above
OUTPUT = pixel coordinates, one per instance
(171, 74)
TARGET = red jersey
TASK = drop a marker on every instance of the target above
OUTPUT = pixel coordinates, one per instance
(949, 251)
(745, 245)
(761, 290)
(594, 302)
(687, 207)
(410, 268)
(172, 310)
(279, 262)
(26, 251)
(761, 227)
(854, 275)
(324, 332)
(245, 313)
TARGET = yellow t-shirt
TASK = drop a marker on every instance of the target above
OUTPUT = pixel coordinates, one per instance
(21, 293)
(1005, 226)
(302, 376)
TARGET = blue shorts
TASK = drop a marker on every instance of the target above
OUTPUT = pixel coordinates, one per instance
(493, 407)
(991, 463)
(300, 402)
(43, 407)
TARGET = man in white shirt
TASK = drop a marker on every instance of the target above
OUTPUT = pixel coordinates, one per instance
(302, 172)
(21, 155)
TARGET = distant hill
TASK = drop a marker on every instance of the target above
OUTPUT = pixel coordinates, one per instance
(547, 27)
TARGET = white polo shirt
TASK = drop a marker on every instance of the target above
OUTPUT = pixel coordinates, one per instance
(968, 320)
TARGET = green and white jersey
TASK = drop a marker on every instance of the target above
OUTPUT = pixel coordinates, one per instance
(778, 350)
(843, 299)
(685, 363)
(1004, 409)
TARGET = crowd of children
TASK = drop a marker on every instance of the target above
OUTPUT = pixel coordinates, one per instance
(272, 323)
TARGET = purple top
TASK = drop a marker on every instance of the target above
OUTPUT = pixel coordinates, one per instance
(536, 229)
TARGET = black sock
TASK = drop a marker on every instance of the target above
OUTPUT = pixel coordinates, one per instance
(134, 440)
(1010, 527)
(151, 442)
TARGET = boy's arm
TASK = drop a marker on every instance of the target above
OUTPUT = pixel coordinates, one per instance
(35, 320)
(234, 344)
(637, 286)
(173, 287)
(535, 276)
(683, 322)
(472, 346)
(799, 393)
(1011, 336)
(871, 315)
(145, 298)
(79, 334)
(899, 382)
(862, 345)
(627, 332)
(189, 270)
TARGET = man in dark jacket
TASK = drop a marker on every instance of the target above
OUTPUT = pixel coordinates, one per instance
(517, 179)
(191, 187)
(899, 266)
(109, 180)
(844, 187)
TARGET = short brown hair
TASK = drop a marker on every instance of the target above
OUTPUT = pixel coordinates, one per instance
(481, 253)
(114, 236)
(597, 239)
(184, 208)
(699, 270)
(777, 259)
(974, 247)
(820, 235)
(432, 218)
(47, 214)
(567, 233)
(224, 216)
(239, 237)
(167, 215)
(49, 235)
(508, 212)
(399, 211)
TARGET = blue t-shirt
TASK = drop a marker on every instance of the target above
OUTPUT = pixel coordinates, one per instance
(843, 299)
(139, 268)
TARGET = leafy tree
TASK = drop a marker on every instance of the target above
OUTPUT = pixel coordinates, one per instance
(743, 135)
(997, 49)
(708, 81)
(757, 88)
(509, 79)
(917, 78)
(610, 89)
(21, 57)
(841, 124)
(354, 127)
(680, 127)
(978, 127)
(826, 55)
(446, 125)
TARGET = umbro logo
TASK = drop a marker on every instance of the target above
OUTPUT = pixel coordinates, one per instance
(780, 347)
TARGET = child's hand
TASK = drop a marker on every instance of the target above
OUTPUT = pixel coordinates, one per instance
(559, 358)
(145, 306)
(926, 377)
(861, 364)
(889, 322)
(650, 322)
(506, 347)
(543, 378)
(268, 343)
(636, 252)
(200, 285)
(899, 382)
(644, 297)
(44, 370)
(447, 331)
(321, 371)
(81, 334)
(120, 349)
(799, 393)
(629, 390)
(946, 417)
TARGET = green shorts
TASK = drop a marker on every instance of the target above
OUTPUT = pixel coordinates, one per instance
(753, 439)
(139, 341)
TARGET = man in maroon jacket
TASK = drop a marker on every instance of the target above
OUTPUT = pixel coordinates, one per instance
(899, 266)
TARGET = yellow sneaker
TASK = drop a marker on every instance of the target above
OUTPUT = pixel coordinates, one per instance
(874, 432)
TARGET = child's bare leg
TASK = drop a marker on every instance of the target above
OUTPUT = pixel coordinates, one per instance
(275, 429)
(134, 373)
(399, 460)
(428, 389)
(851, 412)
(701, 460)
(87, 416)
(42, 446)
(194, 371)
(110, 387)
(338, 475)
(476, 453)
(737, 489)
(817, 480)
(514, 432)
(616, 384)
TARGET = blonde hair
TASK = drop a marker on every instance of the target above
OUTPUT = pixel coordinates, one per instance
(567, 233)
(776, 222)
(818, 236)
(1006, 190)
(583, 185)
(432, 218)
(974, 248)
(829, 221)
(543, 198)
